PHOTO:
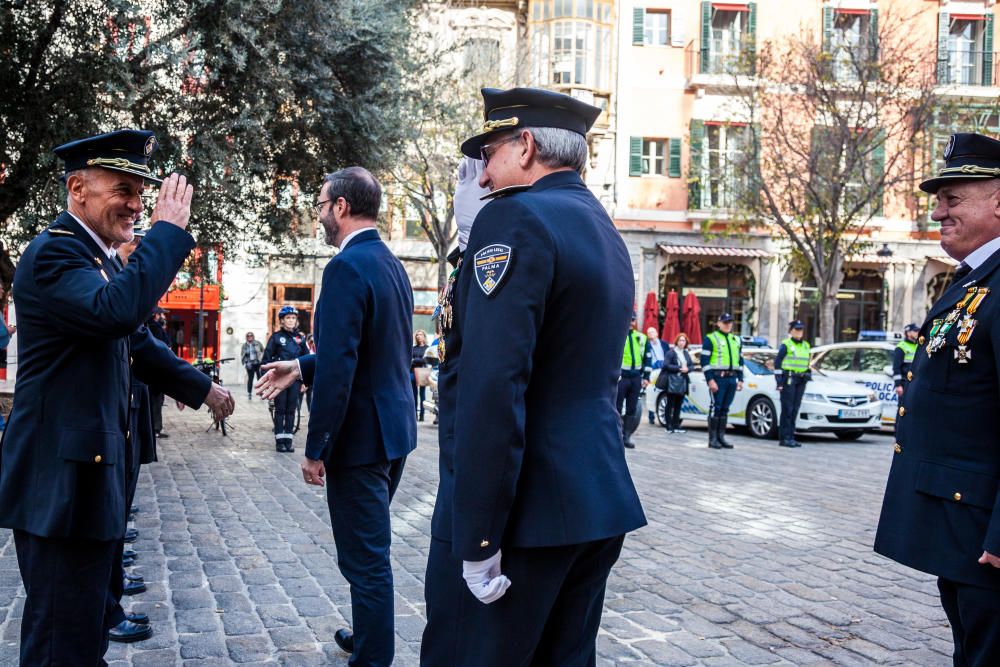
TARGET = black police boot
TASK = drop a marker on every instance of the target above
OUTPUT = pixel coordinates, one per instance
(627, 430)
(344, 639)
(713, 427)
(721, 432)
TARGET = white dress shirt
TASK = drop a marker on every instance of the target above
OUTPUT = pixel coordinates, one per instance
(110, 252)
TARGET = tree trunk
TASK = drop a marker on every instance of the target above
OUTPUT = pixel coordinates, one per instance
(444, 268)
(828, 306)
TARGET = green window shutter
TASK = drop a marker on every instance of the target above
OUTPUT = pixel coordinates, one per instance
(638, 25)
(756, 179)
(878, 169)
(873, 35)
(751, 37)
(674, 159)
(827, 27)
(635, 156)
(694, 166)
(988, 51)
(706, 35)
(944, 27)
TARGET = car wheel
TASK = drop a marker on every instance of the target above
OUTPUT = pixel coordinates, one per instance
(762, 419)
(849, 435)
(661, 408)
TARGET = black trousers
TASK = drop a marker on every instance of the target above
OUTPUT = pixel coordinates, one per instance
(66, 612)
(419, 394)
(628, 394)
(791, 401)
(673, 416)
(974, 614)
(253, 372)
(550, 615)
(156, 411)
(359, 498)
(286, 404)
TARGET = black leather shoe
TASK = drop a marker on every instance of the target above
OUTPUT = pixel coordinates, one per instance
(127, 631)
(161, 435)
(785, 443)
(131, 535)
(129, 553)
(345, 640)
(628, 445)
(134, 509)
(134, 587)
(134, 577)
(128, 562)
(289, 449)
(138, 618)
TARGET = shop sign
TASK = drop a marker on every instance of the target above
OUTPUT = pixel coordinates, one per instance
(708, 292)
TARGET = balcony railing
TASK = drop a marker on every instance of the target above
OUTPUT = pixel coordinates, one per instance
(967, 68)
(722, 58)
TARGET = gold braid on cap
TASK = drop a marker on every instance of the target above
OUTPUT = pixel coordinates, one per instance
(491, 125)
(972, 169)
(118, 163)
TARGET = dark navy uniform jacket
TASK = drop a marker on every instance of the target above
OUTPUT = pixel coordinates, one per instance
(362, 407)
(284, 346)
(532, 453)
(62, 459)
(941, 508)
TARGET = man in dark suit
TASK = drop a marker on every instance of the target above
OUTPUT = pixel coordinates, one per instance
(535, 496)
(62, 463)
(362, 423)
(941, 512)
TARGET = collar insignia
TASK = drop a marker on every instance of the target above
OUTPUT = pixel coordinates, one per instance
(509, 190)
(491, 265)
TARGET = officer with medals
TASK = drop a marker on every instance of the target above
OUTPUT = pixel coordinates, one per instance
(941, 511)
(902, 357)
(722, 362)
(636, 364)
(286, 344)
(791, 372)
(535, 497)
(63, 465)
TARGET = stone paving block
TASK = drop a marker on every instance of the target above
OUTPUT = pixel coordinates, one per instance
(203, 645)
(662, 653)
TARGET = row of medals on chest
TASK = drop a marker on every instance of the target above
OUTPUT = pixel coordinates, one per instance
(961, 315)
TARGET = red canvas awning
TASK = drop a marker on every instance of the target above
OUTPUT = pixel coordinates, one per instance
(730, 7)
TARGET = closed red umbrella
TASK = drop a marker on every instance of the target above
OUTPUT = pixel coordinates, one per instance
(692, 318)
(650, 313)
(671, 323)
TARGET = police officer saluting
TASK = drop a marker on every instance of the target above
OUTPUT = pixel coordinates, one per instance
(722, 361)
(285, 344)
(941, 512)
(902, 357)
(791, 372)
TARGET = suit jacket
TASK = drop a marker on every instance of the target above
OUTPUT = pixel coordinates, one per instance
(62, 458)
(536, 457)
(941, 508)
(362, 408)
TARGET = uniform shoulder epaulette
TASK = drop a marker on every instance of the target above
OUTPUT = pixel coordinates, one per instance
(61, 232)
(503, 192)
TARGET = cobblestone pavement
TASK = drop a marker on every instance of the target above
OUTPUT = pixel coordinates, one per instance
(759, 555)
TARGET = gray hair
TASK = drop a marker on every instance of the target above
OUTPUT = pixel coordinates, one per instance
(83, 173)
(560, 148)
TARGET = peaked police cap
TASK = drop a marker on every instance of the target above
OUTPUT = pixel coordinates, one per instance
(967, 156)
(127, 151)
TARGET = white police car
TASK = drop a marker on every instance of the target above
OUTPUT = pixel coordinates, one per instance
(831, 406)
(865, 362)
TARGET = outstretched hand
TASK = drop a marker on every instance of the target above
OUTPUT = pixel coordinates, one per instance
(278, 376)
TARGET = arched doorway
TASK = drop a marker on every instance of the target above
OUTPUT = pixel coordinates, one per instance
(721, 288)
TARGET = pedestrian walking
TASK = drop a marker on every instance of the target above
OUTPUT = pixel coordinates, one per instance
(722, 362)
(251, 356)
(416, 376)
(62, 474)
(677, 365)
(633, 379)
(286, 344)
(362, 424)
(941, 513)
(791, 373)
(535, 496)
(657, 352)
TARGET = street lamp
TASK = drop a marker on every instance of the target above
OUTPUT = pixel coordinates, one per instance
(885, 251)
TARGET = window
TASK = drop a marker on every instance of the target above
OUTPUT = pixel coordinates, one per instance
(718, 156)
(965, 50)
(874, 360)
(571, 43)
(482, 58)
(836, 360)
(656, 28)
(854, 157)
(654, 157)
(728, 39)
(850, 36)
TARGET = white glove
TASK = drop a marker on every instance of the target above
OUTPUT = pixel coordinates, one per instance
(468, 202)
(484, 579)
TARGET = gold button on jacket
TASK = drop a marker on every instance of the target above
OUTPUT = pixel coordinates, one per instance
(484, 544)
(902, 411)
(957, 496)
(898, 448)
(909, 375)
(97, 459)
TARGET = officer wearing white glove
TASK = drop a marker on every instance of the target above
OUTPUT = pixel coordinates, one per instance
(468, 197)
(484, 579)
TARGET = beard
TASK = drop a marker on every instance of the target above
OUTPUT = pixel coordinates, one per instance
(330, 228)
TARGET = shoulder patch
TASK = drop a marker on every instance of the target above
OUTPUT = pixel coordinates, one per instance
(502, 192)
(492, 264)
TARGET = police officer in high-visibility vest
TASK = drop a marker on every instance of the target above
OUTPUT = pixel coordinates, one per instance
(722, 361)
(902, 358)
(791, 371)
(635, 376)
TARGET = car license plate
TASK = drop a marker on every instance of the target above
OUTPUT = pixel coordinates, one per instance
(848, 414)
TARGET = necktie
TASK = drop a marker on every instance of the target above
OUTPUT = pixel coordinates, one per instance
(960, 273)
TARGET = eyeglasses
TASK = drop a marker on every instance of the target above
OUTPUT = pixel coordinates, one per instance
(319, 205)
(486, 155)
